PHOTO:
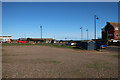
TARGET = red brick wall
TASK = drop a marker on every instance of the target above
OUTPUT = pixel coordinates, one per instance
(116, 32)
(109, 29)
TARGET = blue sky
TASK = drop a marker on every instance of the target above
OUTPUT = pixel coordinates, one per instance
(60, 20)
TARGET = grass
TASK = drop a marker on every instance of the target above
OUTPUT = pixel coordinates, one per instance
(98, 65)
(15, 44)
(46, 60)
(41, 44)
(54, 61)
(94, 65)
(116, 56)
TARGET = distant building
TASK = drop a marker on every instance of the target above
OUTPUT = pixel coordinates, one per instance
(111, 32)
(5, 38)
(46, 40)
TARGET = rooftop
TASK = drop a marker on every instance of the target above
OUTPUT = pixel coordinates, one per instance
(114, 24)
(5, 36)
(40, 38)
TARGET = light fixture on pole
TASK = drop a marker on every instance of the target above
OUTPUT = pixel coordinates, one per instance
(95, 24)
(81, 33)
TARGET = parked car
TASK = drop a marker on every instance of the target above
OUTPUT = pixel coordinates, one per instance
(103, 46)
(22, 41)
(9, 41)
(68, 43)
(71, 43)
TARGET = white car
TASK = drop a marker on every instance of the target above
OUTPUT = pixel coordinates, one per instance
(73, 43)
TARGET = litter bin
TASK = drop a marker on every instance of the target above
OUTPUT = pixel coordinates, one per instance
(88, 45)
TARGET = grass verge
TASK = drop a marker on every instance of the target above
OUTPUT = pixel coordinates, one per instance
(98, 65)
(41, 44)
(116, 56)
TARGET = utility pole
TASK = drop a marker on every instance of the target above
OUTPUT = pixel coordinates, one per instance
(41, 32)
(81, 33)
(87, 34)
(95, 24)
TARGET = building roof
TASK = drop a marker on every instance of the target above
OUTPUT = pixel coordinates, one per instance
(5, 36)
(114, 24)
(40, 38)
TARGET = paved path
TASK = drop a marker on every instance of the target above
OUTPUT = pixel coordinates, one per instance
(49, 62)
(114, 49)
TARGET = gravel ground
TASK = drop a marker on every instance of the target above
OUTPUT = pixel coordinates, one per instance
(50, 62)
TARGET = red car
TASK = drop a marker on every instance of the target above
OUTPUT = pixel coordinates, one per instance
(22, 41)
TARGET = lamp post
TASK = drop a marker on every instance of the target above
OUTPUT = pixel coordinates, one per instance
(81, 33)
(87, 34)
(95, 24)
(41, 32)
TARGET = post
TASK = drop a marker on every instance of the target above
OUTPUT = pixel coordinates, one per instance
(41, 32)
(95, 26)
(87, 34)
(81, 33)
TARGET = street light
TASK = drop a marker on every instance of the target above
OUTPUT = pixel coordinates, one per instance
(95, 25)
(41, 32)
(87, 34)
(81, 33)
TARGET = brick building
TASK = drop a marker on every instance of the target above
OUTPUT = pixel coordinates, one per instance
(111, 32)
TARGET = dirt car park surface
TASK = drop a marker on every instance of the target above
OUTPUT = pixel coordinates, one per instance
(50, 62)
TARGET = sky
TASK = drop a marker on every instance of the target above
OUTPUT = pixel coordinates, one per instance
(59, 20)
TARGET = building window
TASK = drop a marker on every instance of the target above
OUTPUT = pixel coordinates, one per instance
(110, 34)
(103, 29)
(116, 28)
(117, 35)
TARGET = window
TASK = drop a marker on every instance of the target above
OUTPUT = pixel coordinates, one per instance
(117, 35)
(116, 28)
(103, 29)
(110, 34)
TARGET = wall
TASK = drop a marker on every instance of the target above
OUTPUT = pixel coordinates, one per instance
(117, 32)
